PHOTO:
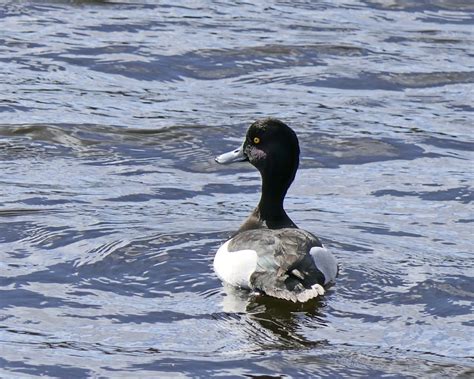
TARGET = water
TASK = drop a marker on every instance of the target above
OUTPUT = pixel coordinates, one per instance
(111, 206)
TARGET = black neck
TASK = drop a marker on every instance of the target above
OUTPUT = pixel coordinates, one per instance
(269, 212)
(271, 203)
(270, 207)
(277, 177)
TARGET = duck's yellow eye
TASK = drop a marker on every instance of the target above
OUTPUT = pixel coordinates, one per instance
(256, 140)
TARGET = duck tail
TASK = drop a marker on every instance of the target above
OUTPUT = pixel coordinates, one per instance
(279, 288)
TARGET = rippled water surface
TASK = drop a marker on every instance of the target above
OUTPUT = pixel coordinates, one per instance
(111, 206)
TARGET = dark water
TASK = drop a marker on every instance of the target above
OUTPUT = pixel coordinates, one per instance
(111, 207)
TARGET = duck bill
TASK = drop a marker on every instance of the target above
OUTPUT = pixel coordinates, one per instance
(236, 155)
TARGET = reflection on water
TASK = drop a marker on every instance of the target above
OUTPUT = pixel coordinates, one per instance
(111, 206)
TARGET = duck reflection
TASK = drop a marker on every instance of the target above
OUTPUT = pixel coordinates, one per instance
(272, 320)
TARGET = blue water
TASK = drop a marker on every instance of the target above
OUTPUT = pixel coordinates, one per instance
(112, 207)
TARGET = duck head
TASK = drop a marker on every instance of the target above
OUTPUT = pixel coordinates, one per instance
(272, 147)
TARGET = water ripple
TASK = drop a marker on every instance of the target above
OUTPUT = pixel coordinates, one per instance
(112, 207)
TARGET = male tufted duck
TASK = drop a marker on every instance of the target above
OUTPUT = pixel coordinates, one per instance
(269, 254)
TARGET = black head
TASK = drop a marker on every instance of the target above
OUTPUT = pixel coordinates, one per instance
(272, 147)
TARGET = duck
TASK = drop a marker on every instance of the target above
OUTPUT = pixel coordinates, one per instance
(269, 254)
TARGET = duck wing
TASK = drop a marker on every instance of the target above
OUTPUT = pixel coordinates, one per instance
(285, 266)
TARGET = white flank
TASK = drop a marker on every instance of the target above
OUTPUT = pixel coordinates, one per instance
(325, 262)
(235, 267)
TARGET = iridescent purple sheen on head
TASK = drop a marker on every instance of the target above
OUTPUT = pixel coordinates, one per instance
(255, 154)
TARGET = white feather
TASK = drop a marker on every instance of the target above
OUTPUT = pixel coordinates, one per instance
(312, 293)
(325, 262)
(235, 267)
